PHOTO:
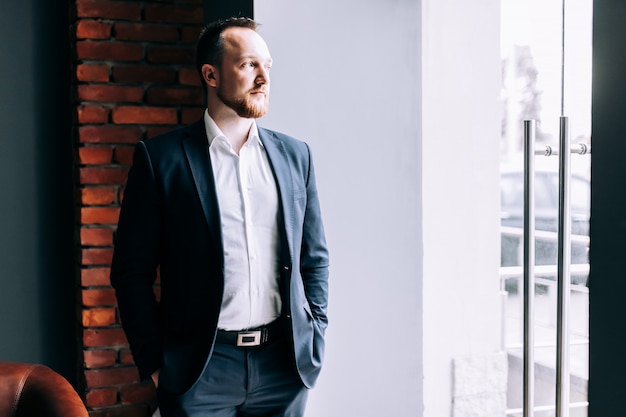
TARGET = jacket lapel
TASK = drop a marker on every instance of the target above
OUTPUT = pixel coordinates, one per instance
(196, 146)
(279, 162)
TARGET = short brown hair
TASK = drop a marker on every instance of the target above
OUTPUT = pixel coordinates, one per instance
(210, 46)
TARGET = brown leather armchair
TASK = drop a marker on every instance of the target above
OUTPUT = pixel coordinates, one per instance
(35, 390)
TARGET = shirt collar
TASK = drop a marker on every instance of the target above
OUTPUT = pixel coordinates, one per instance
(213, 131)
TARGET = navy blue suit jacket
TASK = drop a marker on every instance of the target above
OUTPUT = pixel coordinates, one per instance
(170, 221)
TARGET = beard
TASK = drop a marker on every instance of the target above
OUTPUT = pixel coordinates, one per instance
(244, 106)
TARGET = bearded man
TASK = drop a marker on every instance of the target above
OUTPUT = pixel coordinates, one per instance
(228, 214)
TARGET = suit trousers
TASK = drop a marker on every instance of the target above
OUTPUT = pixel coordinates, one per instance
(242, 382)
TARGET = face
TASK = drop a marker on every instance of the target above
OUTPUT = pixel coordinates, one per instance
(243, 79)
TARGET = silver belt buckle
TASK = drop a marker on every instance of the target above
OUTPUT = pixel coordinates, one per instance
(252, 338)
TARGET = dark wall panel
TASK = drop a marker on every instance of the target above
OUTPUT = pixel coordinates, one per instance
(607, 284)
(215, 9)
(37, 292)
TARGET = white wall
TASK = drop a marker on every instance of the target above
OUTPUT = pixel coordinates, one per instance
(460, 145)
(403, 143)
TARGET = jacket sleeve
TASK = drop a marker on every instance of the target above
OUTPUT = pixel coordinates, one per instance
(135, 262)
(314, 261)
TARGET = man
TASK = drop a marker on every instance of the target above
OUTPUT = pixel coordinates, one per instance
(228, 212)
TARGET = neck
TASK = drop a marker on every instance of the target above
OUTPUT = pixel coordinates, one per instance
(234, 127)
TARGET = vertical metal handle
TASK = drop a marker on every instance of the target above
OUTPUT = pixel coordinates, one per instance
(529, 268)
(563, 265)
(563, 273)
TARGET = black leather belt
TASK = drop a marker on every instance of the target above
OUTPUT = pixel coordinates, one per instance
(250, 337)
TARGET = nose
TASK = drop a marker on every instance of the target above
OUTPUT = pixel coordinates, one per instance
(263, 76)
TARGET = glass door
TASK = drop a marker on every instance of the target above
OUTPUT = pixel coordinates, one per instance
(546, 74)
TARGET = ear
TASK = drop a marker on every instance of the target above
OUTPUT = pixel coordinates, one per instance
(209, 74)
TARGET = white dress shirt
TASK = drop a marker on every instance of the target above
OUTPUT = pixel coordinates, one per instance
(248, 202)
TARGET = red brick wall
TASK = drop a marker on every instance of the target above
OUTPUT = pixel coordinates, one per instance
(134, 78)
